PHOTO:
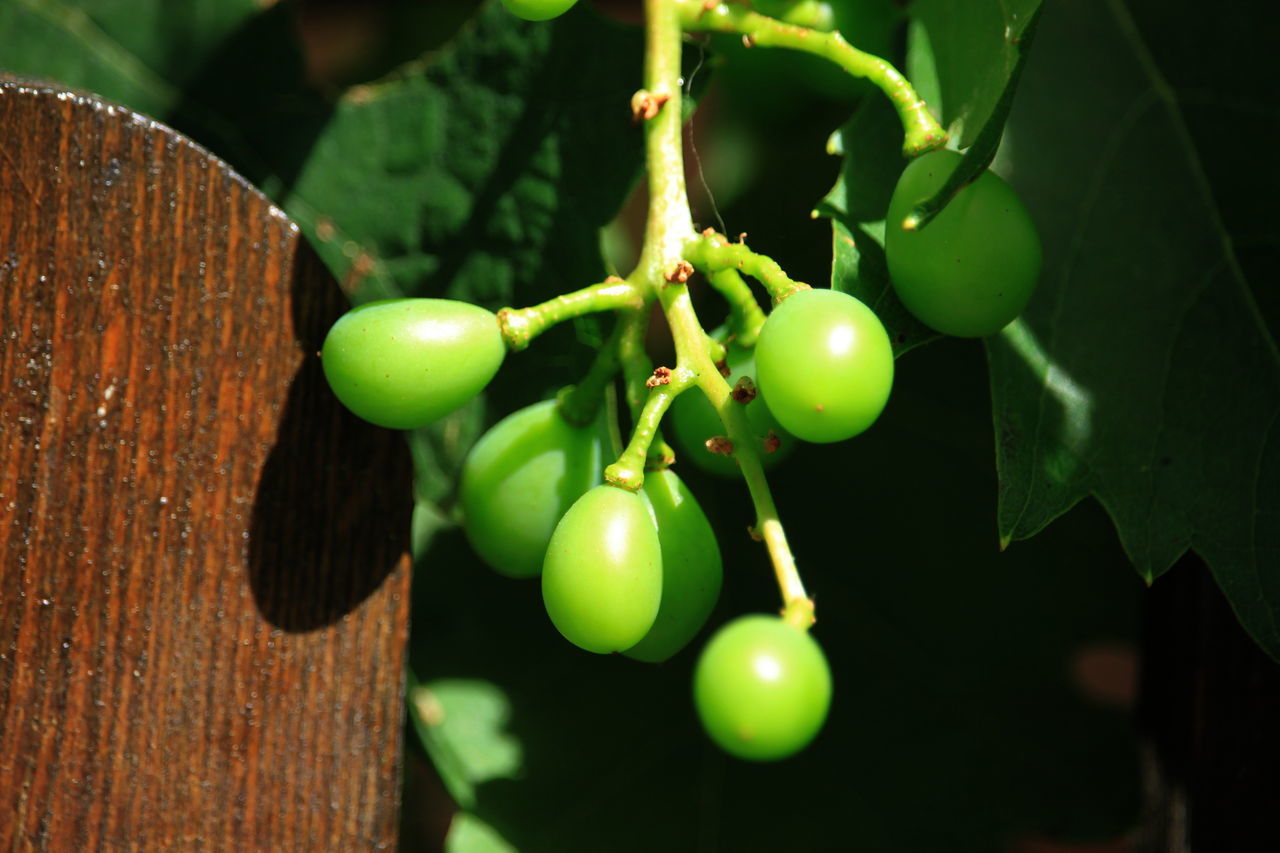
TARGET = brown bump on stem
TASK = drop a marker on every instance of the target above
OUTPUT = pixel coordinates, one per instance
(325, 231)
(772, 442)
(742, 238)
(723, 366)
(820, 407)
(646, 105)
(744, 391)
(748, 40)
(360, 268)
(662, 463)
(708, 233)
(751, 531)
(613, 279)
(720, 445)
(680, 273)
(661, 376)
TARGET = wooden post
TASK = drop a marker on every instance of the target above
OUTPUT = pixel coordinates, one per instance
(203, 571)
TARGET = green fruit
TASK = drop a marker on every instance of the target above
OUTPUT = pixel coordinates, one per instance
(762, 688)
(825, 364)
(403, 363)
(972, 269)
(520, 478)
(538, 10)
(694, 420)
(691, 567)
(602, 577)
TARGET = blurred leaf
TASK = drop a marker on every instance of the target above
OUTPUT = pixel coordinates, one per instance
(136, 52)
(921, 67)
(440, 449)
(226, 72)
(469, 834)
(462, 723)
(1144, 372)
(484, 172)
(974, 50)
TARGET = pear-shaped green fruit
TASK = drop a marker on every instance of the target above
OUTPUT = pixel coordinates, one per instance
(403, 363)
(602, 577)
(691, 567)
(519, 480)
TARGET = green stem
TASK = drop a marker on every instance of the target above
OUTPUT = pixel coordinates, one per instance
(628, 471)
(686, 331)
(670, 222)
(521, 325)
(748, 317)
(636, 366)
(579, 403)
(715, 349)
(922, 131)
(713, 253)
(669, 236)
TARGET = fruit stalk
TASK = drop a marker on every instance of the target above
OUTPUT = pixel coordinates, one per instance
(628, 471)
(921, 131)
(712, 253)
(747, 316)
(521, 325)
(669, 236)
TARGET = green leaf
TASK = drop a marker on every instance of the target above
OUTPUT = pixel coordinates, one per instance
(975, 51)
(228, 74)
(469, 834)
(463, 725)
(1143, 372)
(483, 172)
(986, 143)
(137, 52)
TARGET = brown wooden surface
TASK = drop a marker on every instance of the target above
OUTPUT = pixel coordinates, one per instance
(203, 587)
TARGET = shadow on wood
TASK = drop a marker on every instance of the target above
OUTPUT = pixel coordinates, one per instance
(330, 484)
(203, 570)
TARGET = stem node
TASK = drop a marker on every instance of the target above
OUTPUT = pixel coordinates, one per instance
(645, 105)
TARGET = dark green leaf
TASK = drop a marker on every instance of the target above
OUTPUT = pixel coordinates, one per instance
(974, 45)
(228, 74)
(485, 172)
(983, 150)
(1144, 372)
(137, 52)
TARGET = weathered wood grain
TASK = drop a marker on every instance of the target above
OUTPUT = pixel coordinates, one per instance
(203, 580)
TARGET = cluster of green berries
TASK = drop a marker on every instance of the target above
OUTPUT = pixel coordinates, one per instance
(639, 572)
